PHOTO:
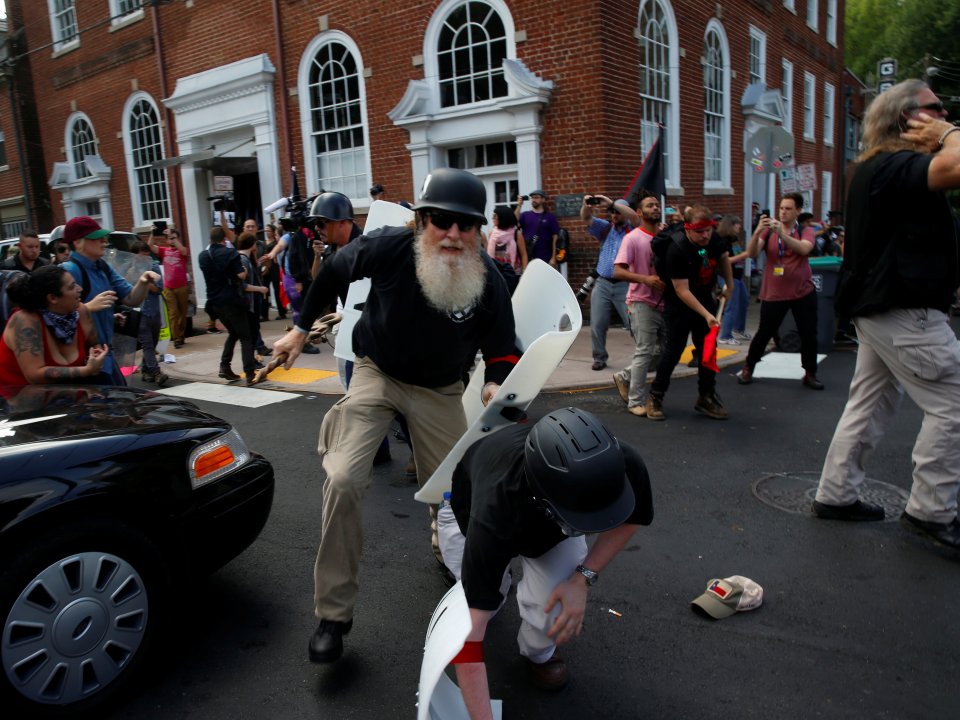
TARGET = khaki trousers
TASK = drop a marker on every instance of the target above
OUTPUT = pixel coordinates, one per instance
(176, 300)
(912, 351)
(648, 328)
(351, 433)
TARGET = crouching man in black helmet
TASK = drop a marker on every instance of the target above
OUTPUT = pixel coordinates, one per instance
(434, 295)
(533, 494)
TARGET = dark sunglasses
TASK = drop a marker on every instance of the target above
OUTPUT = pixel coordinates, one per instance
(938, 106)
(444, 221)
(63, 249)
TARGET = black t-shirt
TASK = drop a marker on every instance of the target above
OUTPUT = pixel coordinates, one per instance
(498, 516)
(686, 261)
(15, 263)
(399, 331)
(220, 266)
(735, 246)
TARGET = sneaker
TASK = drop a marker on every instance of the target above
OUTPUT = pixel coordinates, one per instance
(730, 341)
(746, 375)
(623, 387)
(213, 330)
(946, 535)
(655, 406)
(326, 645)
(638, 410)
(857, 512)
(743, 335)
(710, 406)
(311, 350)
(550, 675)
(177, 344)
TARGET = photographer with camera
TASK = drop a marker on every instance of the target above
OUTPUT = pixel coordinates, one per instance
(539, 227)
(608, 293)
(165, 244)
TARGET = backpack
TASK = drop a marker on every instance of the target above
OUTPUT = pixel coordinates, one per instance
(6, 305)
(661, 244)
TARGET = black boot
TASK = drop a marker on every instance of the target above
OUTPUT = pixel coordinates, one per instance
(326, 645)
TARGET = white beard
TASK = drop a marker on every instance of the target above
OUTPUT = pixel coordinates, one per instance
(450, 283)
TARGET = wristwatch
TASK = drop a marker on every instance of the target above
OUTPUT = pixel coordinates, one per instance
(590, 575)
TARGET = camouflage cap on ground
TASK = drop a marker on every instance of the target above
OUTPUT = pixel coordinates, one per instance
(725, 597)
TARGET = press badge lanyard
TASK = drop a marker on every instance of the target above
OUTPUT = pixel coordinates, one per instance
(778, 269)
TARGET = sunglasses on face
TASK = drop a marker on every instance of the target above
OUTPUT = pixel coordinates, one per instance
(938, 106)
(444, 221)
(62, 249)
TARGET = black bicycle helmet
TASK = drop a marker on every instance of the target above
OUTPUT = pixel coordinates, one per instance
(575, 470)
(332, 206)
(454, 191)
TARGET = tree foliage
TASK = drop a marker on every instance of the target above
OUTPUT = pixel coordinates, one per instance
(907, 30)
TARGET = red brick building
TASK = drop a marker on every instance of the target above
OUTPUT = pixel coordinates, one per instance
(554, 94)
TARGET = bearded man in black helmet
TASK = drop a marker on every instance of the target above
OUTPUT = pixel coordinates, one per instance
(434, 295)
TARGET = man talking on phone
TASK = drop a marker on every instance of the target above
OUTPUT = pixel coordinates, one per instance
(897, 284)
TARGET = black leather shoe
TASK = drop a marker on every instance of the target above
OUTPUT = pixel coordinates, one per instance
(810, 381)
(945, 535)
(265, 351)
(227, 374)
(326, 645)
(858, 512)
(598, 365)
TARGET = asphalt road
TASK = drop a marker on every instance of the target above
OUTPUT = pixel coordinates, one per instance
(858, 621)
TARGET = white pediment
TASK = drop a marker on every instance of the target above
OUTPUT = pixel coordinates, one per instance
(64, 173)
(765, 107)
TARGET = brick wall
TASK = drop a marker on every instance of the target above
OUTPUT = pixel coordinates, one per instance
(590, 138)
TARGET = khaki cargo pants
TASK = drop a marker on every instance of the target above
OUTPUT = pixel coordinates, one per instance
(351, 433)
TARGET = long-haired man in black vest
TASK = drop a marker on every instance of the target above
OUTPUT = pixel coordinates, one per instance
(898, 278)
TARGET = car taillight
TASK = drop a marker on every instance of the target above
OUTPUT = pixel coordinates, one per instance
(216, 458)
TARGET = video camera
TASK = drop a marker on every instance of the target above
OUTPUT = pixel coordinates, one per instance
(222, 202)
(298, 211)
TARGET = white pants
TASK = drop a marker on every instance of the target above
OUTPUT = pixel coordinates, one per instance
(901, 350)
(540, 578)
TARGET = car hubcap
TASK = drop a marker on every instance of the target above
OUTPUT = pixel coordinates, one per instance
(75, 628)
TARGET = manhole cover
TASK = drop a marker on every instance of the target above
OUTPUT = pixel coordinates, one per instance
(590, 403)
(795, 492)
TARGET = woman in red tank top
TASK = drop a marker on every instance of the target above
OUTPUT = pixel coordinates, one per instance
(52, 337)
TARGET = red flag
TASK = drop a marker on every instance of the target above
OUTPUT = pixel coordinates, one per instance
(284, 301)
(709, 360)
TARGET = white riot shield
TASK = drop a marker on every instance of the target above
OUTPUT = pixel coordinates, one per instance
(439, 697)
(382, 214)
(547, 318)
(130, 267)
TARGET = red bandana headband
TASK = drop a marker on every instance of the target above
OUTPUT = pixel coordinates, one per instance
(702, 225)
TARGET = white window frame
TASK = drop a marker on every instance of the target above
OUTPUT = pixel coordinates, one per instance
(829, 113)
(790, 5)
(832, 22)
(68, 142)
(59, 44)
(826, 192)
(812, 11)
(809, 81)
(431, 39)
(118, 16)
(138, 219)
(672, 128)
(311, 160)
(787, 93)
(714, 26)
(759, 35)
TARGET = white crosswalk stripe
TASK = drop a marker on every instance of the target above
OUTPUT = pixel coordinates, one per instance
(228, 394)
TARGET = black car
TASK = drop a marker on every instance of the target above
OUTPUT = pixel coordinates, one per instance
(112, 501)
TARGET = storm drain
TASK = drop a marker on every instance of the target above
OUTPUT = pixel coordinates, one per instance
(794, 493)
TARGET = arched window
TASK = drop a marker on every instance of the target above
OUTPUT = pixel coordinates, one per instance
(471, 49)
(658, 92)
(716, 107)
(337, 117)
(83, 142)
(149, 186)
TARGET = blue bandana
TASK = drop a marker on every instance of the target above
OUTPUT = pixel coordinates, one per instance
(64, 326)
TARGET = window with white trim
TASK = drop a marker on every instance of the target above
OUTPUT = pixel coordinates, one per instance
(714, 107)
(63, 22)
(826, 194)
(121, 10)
(809, 100)
(657, 106)
(146, 147)
(471, 49)
(787, 93)
(333, 108)
(483, 156)
(829, 100)
(790, 5)
(758, 55)
(83, 142)
(812, 14)
(832, 22)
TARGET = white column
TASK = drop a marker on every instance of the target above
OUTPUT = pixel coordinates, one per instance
(528, 159)
(106, 211)
(420, 164)
(268, 163)
(198, 219)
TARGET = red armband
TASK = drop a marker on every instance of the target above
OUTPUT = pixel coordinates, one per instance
(512, 359)
(472, 652)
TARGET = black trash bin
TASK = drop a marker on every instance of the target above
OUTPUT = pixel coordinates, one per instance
(826, 272)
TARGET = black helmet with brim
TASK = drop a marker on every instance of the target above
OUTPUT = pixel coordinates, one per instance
(575, 470)
(332, 206)
(454, 191)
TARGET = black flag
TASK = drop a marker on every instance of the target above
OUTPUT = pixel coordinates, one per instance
(650, 176)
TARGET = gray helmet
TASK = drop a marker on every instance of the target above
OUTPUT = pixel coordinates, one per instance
(57, 234)
(454, 191)
(332, 206)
